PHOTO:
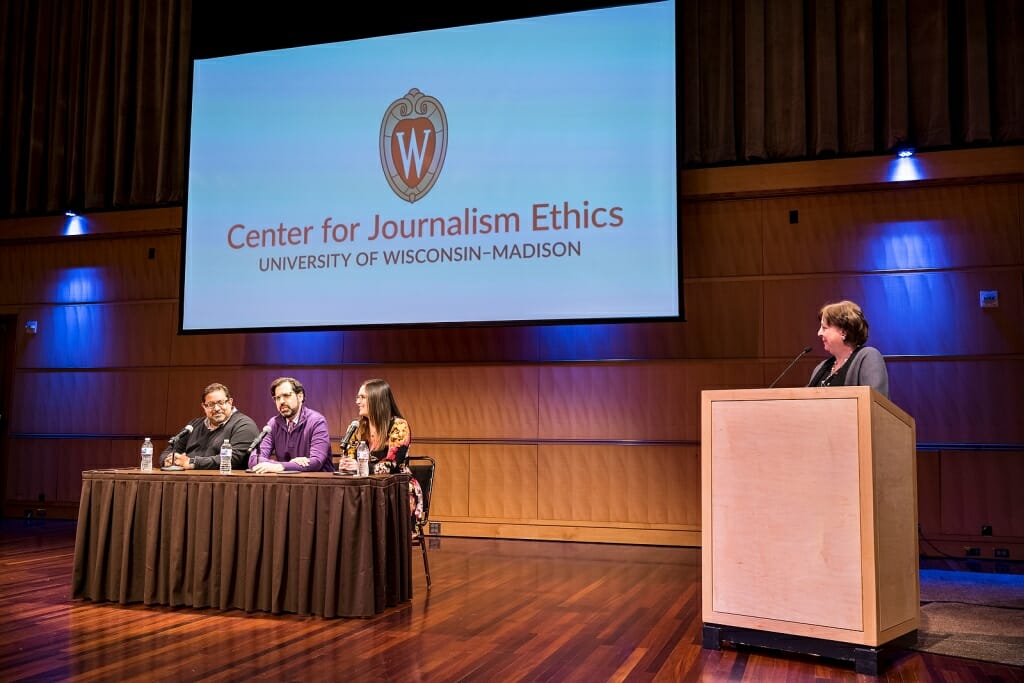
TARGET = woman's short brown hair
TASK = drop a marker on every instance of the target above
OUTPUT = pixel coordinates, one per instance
(848, 317)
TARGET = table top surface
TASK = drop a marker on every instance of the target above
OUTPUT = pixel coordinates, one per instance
(238, 476)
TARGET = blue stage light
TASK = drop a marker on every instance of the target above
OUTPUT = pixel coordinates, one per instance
(78, 285)
(905, 245)
(74, 225)
(905, 168)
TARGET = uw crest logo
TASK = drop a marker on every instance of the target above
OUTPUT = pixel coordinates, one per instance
(413, 142)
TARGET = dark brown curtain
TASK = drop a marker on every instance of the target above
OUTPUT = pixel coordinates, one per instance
(95, 92)
(782, 80)
(95, 102)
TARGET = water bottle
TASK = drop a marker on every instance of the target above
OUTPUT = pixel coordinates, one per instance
(225, 457)
(147, 456)
(363, 459)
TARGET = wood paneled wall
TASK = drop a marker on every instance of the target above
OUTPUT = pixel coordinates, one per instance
(579, 432)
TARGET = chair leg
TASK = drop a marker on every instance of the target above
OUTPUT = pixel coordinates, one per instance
(426, 565)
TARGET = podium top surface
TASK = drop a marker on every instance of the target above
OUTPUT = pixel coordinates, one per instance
(860, 393)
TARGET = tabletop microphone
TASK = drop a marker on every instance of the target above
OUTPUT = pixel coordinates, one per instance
(353, 426)
(183, 432)
(259, 437)
(174, 443)
(807, 349)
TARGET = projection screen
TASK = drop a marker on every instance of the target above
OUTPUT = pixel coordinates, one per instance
(519, 171)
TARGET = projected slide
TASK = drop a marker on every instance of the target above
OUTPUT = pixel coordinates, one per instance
(516, 171)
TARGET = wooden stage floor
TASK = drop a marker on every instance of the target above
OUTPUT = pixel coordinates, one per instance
(497, 611)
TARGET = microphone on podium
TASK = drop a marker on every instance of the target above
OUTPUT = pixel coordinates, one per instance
(807, 349)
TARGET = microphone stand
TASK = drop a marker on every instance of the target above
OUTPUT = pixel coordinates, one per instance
(346, 440)
(807, 349)
(344, 451)
(254, 447)
(172, 467)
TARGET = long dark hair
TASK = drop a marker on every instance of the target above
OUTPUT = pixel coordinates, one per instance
(382, 408)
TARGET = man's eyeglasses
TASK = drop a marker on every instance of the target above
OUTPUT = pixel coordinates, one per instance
(216, 404)
(283, 397)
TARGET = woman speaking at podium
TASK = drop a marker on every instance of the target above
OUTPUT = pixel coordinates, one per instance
(843, 332)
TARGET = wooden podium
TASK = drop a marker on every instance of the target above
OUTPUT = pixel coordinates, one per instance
(809, 522)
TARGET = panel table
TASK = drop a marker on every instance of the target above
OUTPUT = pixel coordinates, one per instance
(304, 543)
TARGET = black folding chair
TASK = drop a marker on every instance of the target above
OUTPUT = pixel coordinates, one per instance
(422, 467)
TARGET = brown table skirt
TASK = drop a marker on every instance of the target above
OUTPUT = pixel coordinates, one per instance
(301, 543)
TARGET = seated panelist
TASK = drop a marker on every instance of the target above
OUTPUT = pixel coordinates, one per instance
(298, 440)
(200, 448)
(387, 435)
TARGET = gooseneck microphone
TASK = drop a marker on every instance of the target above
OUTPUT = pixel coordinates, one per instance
(174, 448)
(353, 426)
(183, 432)
(259, 437)
(807, 349)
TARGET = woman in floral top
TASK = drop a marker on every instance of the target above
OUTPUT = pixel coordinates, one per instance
(386, 432)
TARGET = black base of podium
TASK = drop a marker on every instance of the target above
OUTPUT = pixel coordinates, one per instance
(867, 660)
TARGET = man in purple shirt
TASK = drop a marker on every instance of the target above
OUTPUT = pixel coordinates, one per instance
(298, 440)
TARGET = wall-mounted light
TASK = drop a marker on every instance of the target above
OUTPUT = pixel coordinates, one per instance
(74, 224)
(905, 166)
(31, 327)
